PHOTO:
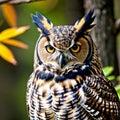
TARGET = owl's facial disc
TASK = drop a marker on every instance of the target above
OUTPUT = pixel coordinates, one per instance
(63, 47)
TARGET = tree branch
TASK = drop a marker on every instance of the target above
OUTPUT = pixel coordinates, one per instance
(17, 1)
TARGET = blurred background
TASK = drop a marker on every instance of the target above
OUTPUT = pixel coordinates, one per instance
(13, 79)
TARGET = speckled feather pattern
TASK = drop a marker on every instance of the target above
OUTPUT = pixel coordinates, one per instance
(62, 36)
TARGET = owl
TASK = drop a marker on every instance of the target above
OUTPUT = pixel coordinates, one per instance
(67, 82)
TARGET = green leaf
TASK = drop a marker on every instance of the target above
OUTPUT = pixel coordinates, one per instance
(118, 93)
(119, 96)
(107, 70)
(117, 88)
(118, 78)
(111, 77)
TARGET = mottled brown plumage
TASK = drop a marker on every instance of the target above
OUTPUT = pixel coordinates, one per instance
(67, 82)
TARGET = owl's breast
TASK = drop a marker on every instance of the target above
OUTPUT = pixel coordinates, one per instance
(63, 98)
(67, 98)
(60, 94)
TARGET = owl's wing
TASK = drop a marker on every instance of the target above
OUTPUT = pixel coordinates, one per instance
(38, 99)
(29, 92)
(101, 98)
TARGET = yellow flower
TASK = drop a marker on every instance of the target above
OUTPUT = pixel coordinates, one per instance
(6, 37)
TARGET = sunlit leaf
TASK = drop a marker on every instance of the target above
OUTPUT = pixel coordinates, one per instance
(12, 32)
(7, 55)
(117, 88)
(9, 14)
(111, 77)
(15, 43)
(107, 70)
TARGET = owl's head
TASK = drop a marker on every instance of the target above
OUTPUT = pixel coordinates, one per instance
(64, 45)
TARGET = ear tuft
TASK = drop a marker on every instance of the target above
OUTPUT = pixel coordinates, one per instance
(85, 24)
(43, 24)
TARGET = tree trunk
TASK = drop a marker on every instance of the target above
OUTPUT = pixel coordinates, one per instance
(104, 32)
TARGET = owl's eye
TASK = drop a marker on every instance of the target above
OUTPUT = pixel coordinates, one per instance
(75, 48)
(50, 49)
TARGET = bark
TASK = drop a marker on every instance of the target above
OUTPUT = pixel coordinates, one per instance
(104, 34)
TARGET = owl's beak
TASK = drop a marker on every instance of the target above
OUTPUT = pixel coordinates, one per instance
(62, 60)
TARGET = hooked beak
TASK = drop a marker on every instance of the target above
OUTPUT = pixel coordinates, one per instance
(62, 60)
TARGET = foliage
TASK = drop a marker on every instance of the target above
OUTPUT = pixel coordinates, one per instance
(6, 36)
(108, 73)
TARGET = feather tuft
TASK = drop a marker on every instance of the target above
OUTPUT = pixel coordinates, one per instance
(43, 24)
(85, 24)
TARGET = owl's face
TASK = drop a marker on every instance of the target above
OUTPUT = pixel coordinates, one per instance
(64, 45)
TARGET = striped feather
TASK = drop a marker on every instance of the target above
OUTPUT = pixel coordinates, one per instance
(85, 24)
(43, 24)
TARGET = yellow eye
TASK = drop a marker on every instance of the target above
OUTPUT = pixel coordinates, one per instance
(75, 48)
(50, 49)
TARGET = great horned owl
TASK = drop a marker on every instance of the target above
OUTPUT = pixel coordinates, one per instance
(67, 82)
